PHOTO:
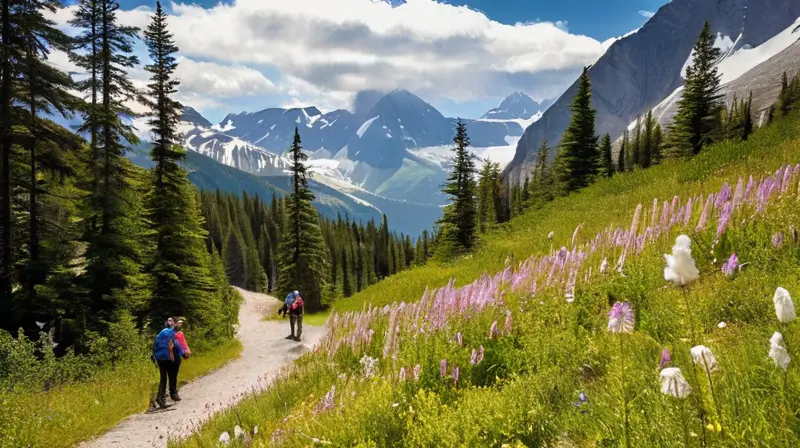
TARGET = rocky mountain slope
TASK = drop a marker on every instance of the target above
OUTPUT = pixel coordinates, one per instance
(640, 70)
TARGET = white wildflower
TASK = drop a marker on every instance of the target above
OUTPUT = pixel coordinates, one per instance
(237, 432)
(550, 235)
(784, 307)
(681, 268)
(225, 438)
(703, 356)
(674, 384)
(778, 352)
(722, 325)
(368, 364)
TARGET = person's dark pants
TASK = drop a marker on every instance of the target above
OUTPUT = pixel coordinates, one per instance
(173, 381)
(296, 319)
(166, 369)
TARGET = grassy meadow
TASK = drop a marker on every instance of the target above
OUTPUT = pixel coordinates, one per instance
(65, 415)
(516, 351)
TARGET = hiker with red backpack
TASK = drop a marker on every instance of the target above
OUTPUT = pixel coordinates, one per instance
(293, 305)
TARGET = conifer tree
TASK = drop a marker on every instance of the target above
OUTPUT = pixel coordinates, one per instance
(542, 186)
(181, 274)
(302, 257)
(578, 159)
(623, 149)
(697, 122)
(658, 141)
(605, 150)
(636, 145)
(459, 221)
(647, 139)
(488, 192)
(116, 235)
(10, 50)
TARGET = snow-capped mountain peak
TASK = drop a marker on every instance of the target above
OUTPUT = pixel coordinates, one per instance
(517, 106)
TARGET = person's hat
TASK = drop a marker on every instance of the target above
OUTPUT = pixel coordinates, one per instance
(297, 293)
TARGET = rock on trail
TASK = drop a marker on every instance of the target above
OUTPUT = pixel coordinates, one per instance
(264, 352)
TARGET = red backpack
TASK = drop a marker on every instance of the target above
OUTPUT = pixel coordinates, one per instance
(298, 303)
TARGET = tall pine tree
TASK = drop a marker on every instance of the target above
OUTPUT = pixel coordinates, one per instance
(460, 216)
(182, 281)
(302, 252)
(578, 159)
(605, 151)
(697, 123)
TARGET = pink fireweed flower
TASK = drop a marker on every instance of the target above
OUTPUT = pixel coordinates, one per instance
(443, 368)
(455, 375)
(493, 330)
(730, 266)
(666, 358)
(706, 211)
(724, 218)
(604, 265)
(687, 217)
(480, 355)
(723, 196)
(327, 402)
(621, 318)
(738, 195)
(507, 324)
(473, 359)
(777, 240)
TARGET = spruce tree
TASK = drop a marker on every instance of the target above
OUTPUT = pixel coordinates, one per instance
(636, 145)
(697, 122)
(542, 186)
(578, 159)
(622, 158)
(459, 221)
(11, 50)
(658, 141)
(302, 252)
(647, 139)
(487, 216)
(233, 258)
(605, 150)
(116, 235)
(181, 273)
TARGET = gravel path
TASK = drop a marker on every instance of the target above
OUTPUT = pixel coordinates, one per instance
(264, 352)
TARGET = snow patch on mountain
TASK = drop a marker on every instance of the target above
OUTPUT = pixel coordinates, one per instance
(365, 126)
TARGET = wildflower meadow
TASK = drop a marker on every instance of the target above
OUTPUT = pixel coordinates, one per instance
(668, 323)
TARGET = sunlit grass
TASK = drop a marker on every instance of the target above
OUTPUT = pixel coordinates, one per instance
(67, 415)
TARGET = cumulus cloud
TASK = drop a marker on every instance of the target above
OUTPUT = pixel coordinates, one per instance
(327, 51)
(222, 81)
(647, 14)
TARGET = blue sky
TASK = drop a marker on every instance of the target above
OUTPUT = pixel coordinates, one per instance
(256, 54)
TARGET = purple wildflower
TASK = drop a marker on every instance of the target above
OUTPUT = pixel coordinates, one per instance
(666, 358)
(459, 339)
(724, 218)
(730, 266)
(402, 375)
(455, 375)
(621, 318)
(473, 359)
(327, 401)
(701, 225)
(777, 240)
(604, 265)
(417, 371)
(493, 330)
(507, 324)
(443, 368)
(582, 399)
(723, 196)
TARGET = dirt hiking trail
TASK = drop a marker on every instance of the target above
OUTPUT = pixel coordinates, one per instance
(264, 352)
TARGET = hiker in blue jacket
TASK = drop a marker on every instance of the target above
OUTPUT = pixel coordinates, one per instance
(288, 303)
(165, 349)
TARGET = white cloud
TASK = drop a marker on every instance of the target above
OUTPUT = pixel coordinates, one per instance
(646, 14)
(222, 81)
(327, 51)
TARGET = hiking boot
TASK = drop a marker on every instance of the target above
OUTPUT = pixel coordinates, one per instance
(296, 338)
(162, 403)
(291, 336)
(175, 397)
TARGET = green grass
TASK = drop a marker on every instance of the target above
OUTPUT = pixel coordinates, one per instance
(67, 415)
(522, 393)
(315, 319)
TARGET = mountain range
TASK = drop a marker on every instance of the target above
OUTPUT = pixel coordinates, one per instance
(392, 149)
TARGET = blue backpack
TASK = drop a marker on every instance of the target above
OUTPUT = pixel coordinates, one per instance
(289, 300)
